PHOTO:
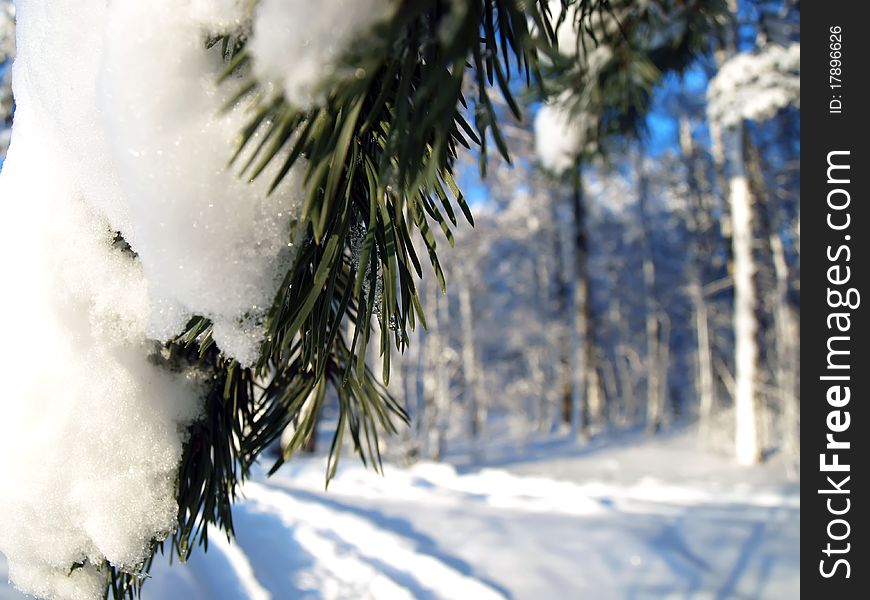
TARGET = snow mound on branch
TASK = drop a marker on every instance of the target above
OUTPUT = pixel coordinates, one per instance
(140, 96)
(118, 128)
(567, 126)
(298, 44)
(561, 136)
(92, 429)
(755, 86)
(210, 243)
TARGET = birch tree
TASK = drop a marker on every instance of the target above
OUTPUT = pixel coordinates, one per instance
(748, 86)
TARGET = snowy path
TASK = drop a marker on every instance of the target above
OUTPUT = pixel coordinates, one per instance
(430, 532)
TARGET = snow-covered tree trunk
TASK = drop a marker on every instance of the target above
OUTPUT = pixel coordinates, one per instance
(409, 366)
(785, 324)
(582, 346)
(656, 370)
(545, 400)
(787, 348)
(630, 366)
(626, 365)
(470, 366)
(421, 394)
(436, 379)
(746, 439)
(728, 129)
(704, 382)
(566, 292)
(655, 407)
(610, 387)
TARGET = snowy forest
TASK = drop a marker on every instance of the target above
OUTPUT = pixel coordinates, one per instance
(593, 392)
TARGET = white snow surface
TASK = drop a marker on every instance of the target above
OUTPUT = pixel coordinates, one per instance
(755, 86)
(117, 128)
(623, 518)
(629, 518)
(317, 35)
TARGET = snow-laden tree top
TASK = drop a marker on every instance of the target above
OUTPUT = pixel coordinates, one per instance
(755, 86)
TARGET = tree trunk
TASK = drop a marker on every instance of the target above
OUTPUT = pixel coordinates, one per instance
(704, 383)
(565, 300)
(582, 348)
(700, 249)
(787, 350)
(540, 406)
(746, 440)
(785, 340)
(474, 399)
(435, 378)
(656, 370)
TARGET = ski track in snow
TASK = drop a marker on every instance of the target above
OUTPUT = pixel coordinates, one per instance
(430, 532)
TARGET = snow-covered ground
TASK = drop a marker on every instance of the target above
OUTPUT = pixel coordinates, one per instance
(630, 518)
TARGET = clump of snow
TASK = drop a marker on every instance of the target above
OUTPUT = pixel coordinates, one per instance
(92, 428)
(573, 40)
(562, 135)
(755, 86)
(141, 97)
(118, 128)
(210, 243)
(563, 20)
(298, 44)
(567, 126)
